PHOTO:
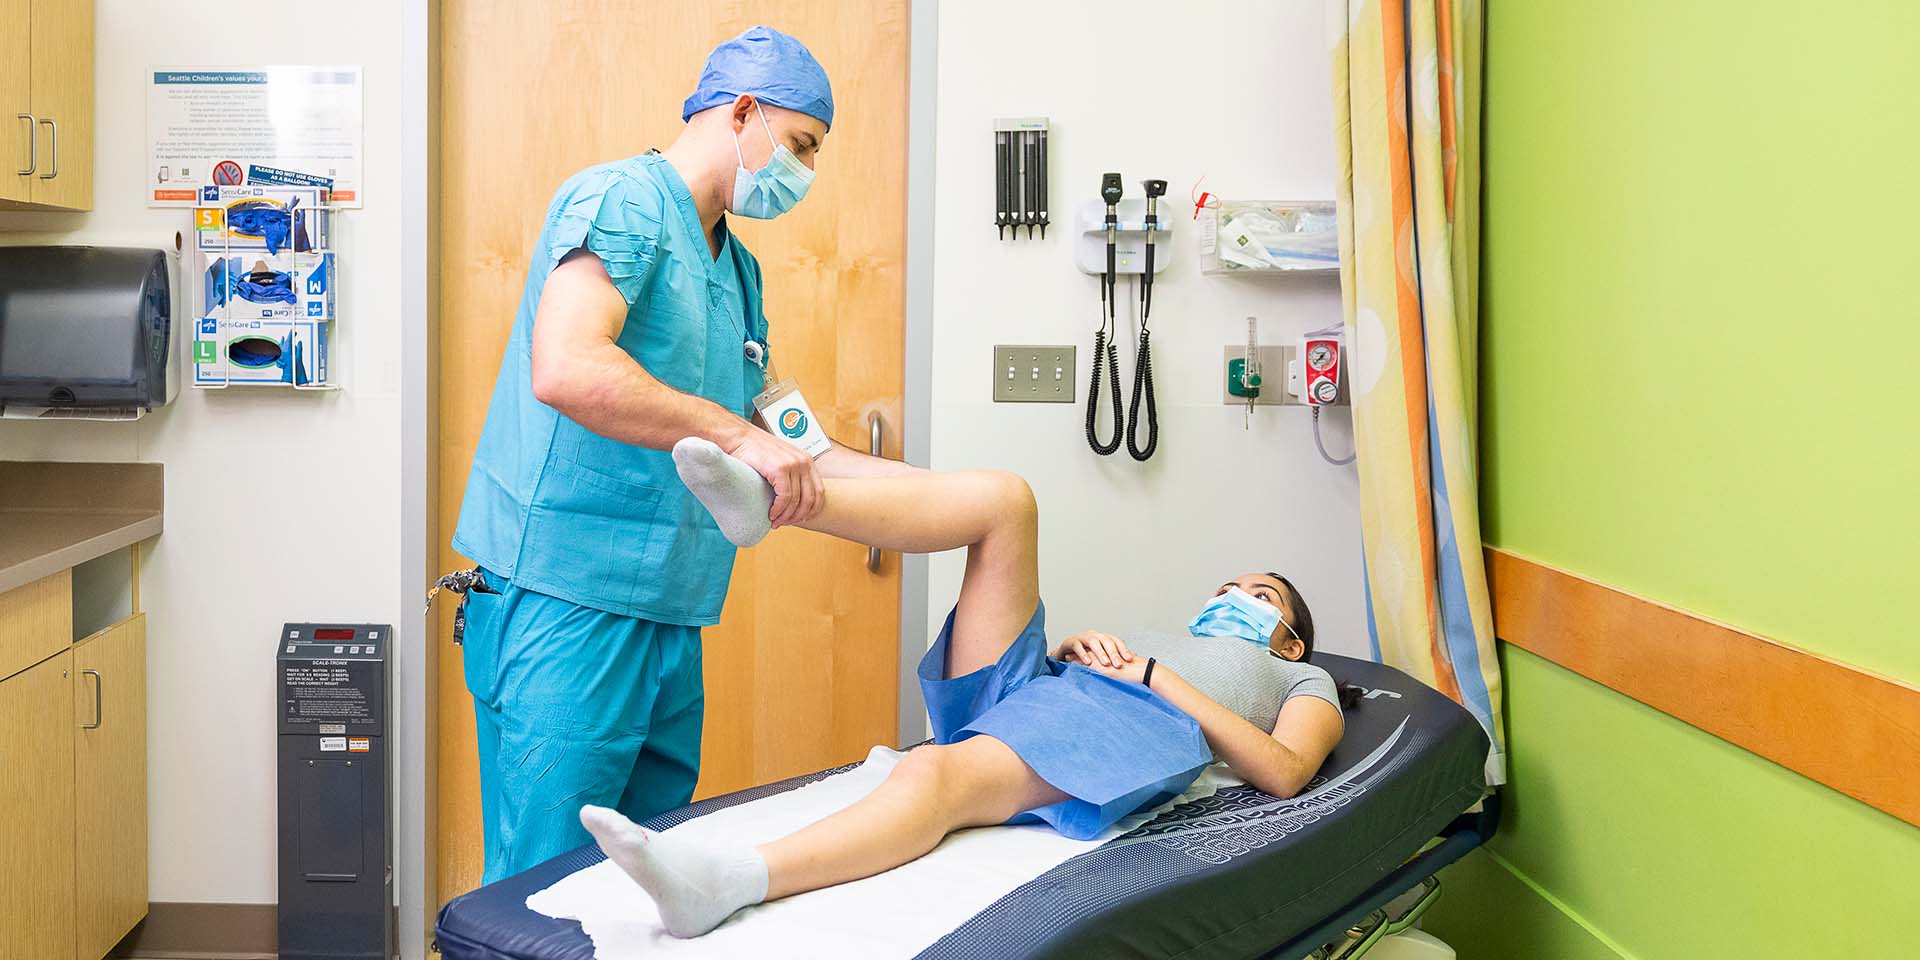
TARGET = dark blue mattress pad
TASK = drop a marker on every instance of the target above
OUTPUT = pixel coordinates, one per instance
(1232, 875)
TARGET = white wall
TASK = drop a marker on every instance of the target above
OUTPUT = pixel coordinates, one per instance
(1238, 92)
(280, 507)
(283, 507)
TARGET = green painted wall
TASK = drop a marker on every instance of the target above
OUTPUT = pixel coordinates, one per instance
(1720, 198)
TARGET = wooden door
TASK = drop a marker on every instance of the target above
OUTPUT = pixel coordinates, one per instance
(110, 785)
(36, 811)
(16, 85)
(63, 100)
(802, 670)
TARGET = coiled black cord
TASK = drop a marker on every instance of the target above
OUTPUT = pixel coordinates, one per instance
(1142, 381)
(1100, 345)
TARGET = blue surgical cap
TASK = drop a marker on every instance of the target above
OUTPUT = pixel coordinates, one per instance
(769, 65)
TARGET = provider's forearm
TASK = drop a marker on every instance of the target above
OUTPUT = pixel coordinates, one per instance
(1252, 753)
(605, 390)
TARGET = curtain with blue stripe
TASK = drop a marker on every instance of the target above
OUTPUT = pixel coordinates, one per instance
(1407, 129)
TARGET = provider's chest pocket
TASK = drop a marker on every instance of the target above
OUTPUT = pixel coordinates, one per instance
(668, 337)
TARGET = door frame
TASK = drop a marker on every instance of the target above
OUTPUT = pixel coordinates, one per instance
(417, 667)
(415, 882)
(923, 30)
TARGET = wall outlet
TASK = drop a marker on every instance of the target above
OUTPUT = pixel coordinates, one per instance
(1033, 374)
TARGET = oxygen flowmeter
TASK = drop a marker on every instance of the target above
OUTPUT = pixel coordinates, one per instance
(1243, 373)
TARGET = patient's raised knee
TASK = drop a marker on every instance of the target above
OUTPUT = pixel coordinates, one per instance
(1014, 495)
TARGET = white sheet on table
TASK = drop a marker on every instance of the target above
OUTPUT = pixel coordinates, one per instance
(895, 914)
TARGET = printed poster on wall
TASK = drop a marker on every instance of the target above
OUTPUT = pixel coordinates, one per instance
(252, 125)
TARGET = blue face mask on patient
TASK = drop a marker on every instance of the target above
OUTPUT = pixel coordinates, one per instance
(773, 189)
(1237, 613)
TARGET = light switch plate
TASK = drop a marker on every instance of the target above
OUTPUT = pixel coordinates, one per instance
(1027, 373)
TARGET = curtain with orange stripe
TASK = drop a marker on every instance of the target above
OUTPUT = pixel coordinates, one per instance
(1406, 81)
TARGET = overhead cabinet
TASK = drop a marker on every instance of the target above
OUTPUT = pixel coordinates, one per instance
(46, 104)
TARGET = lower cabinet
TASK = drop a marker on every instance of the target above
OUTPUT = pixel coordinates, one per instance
(36, 811)
(110, 780)
(73, 798)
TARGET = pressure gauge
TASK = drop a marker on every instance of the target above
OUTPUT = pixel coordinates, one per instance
(1319, 356)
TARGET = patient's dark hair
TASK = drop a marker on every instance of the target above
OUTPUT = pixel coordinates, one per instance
(1303, 628)
(1302, 617)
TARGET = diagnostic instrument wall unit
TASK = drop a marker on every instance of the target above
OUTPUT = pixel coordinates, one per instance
(1115, 240)
(336, 792)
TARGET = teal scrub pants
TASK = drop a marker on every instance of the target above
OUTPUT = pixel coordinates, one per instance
(573, 706)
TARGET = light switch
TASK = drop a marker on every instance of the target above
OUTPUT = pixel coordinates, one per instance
(1033, 374)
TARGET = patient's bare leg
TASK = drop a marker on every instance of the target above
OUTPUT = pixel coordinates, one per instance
(991, 513)
(934, 791)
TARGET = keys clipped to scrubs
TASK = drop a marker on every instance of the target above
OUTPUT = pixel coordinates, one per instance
(786, 414)
(461, 582)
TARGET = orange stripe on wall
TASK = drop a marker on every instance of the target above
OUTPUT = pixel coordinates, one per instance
(1850, 729)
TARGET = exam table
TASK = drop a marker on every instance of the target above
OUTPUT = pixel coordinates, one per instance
(1235, 874)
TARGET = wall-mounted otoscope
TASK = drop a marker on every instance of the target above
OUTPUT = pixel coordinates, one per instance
(1155, 189)
(1143, 360)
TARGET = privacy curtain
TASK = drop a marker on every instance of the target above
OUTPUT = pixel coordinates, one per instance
(1406, 98)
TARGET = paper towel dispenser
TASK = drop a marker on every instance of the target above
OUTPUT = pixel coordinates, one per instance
(88, 332)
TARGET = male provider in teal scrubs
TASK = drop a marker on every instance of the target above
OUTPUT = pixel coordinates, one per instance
(640, 324)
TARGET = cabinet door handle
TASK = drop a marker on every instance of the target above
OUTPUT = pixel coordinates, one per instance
(873, 447)
(53, 141)
(33, 144)
(99, 700)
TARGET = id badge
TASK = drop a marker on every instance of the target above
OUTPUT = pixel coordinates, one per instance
(786, 413)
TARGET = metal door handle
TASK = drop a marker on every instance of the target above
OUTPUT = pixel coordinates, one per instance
(53, 141)
(873, 447)
(33, 144)
(99, 703)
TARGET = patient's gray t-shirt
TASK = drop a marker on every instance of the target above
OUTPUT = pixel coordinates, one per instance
(1244, 678)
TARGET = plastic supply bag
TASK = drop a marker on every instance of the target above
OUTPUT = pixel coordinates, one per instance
(1261, 235)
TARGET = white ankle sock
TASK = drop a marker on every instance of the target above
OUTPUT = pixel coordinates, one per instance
(736, 496)
(695, 887)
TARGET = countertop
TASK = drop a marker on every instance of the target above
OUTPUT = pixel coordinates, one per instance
(58, 515)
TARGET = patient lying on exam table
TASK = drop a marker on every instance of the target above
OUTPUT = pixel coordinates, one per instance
(1077, 737)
